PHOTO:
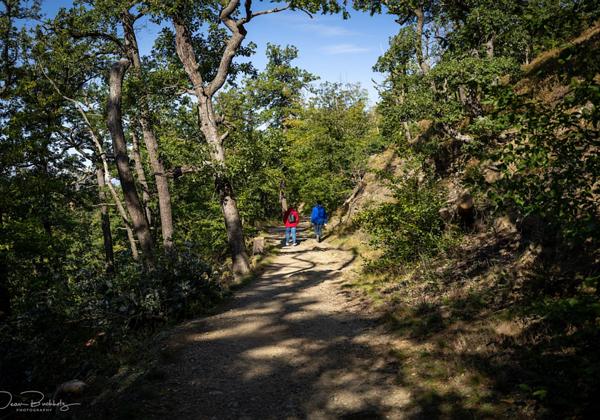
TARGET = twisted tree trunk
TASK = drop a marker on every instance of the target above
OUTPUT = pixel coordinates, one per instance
(208, 126)
(234, 22)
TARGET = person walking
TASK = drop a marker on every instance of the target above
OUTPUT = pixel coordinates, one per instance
(291, 220)
(318, 218)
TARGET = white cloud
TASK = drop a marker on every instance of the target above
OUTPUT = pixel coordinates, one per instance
(344, 49)
(327, 30)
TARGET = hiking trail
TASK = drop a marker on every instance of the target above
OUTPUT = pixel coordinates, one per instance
(291, 344)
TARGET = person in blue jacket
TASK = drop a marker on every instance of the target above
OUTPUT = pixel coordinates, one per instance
(318, 218)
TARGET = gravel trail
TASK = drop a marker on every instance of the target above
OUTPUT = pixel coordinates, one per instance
(293, 344)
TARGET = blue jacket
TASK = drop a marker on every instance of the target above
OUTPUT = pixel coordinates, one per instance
(318, 215)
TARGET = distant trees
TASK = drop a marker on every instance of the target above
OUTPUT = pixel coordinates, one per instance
(329, 144)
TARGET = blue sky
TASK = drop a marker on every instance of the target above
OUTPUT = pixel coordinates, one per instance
(330, 47)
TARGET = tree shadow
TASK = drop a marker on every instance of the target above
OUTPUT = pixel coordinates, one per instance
(492, 336)
(275, 350)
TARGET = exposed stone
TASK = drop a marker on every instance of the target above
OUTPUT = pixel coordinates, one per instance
(504, 225)
(491, 174)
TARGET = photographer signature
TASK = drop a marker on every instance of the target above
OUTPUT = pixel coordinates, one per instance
(36, 402)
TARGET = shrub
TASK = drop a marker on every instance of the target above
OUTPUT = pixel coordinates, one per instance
(411, 226)
(78, 323)
(550, 165)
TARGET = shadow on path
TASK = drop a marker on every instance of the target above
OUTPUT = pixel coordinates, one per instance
(289, 345)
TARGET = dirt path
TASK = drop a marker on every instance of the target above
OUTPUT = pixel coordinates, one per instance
(290, 345)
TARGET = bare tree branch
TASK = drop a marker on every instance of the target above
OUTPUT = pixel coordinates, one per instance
(101, 35)
(185, 51)
(224, 137)
(274, 10)
(238, 33)
(178, 171)
(83, 114)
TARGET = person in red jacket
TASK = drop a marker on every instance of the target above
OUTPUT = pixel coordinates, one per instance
(291, 220)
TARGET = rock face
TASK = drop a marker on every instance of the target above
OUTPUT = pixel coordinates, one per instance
(460, 205)
(504, 225)
(371, 189)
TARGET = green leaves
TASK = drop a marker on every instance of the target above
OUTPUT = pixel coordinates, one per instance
(277, 92)
(327, 145)
(550, 166)
(410, 227)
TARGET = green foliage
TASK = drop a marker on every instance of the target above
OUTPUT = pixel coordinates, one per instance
(410, 227)
(546, 160)
(399, 58)
(256, 162)
(68, 304)
(100, 310)
(257, 117)
(63, 305)
(519, 30)
(527, 135)
(277, 91)
(317, 148)
(550, 165)
(328, 144)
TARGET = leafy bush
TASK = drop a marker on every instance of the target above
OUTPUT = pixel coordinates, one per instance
(550, 166)
(85, 314)
(411, 226)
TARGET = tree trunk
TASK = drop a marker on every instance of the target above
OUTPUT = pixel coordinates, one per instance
(5, 306)
(409, 138)
(282, 198)
(489, 46)
(106, 182)
(141, 176)
(123, 213)
(462, 95)
(233, 223)
(421, 60)
(208, 126)
(161, 180)
(101, 156)
(105, 221)
(115, 126)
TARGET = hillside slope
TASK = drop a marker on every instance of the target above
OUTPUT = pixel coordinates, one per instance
(504, 320)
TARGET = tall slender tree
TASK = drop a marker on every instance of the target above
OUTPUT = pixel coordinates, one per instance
(162, 184)
(418, 13)
(115, 126)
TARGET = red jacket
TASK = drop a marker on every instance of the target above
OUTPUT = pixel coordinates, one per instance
(286, 217)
